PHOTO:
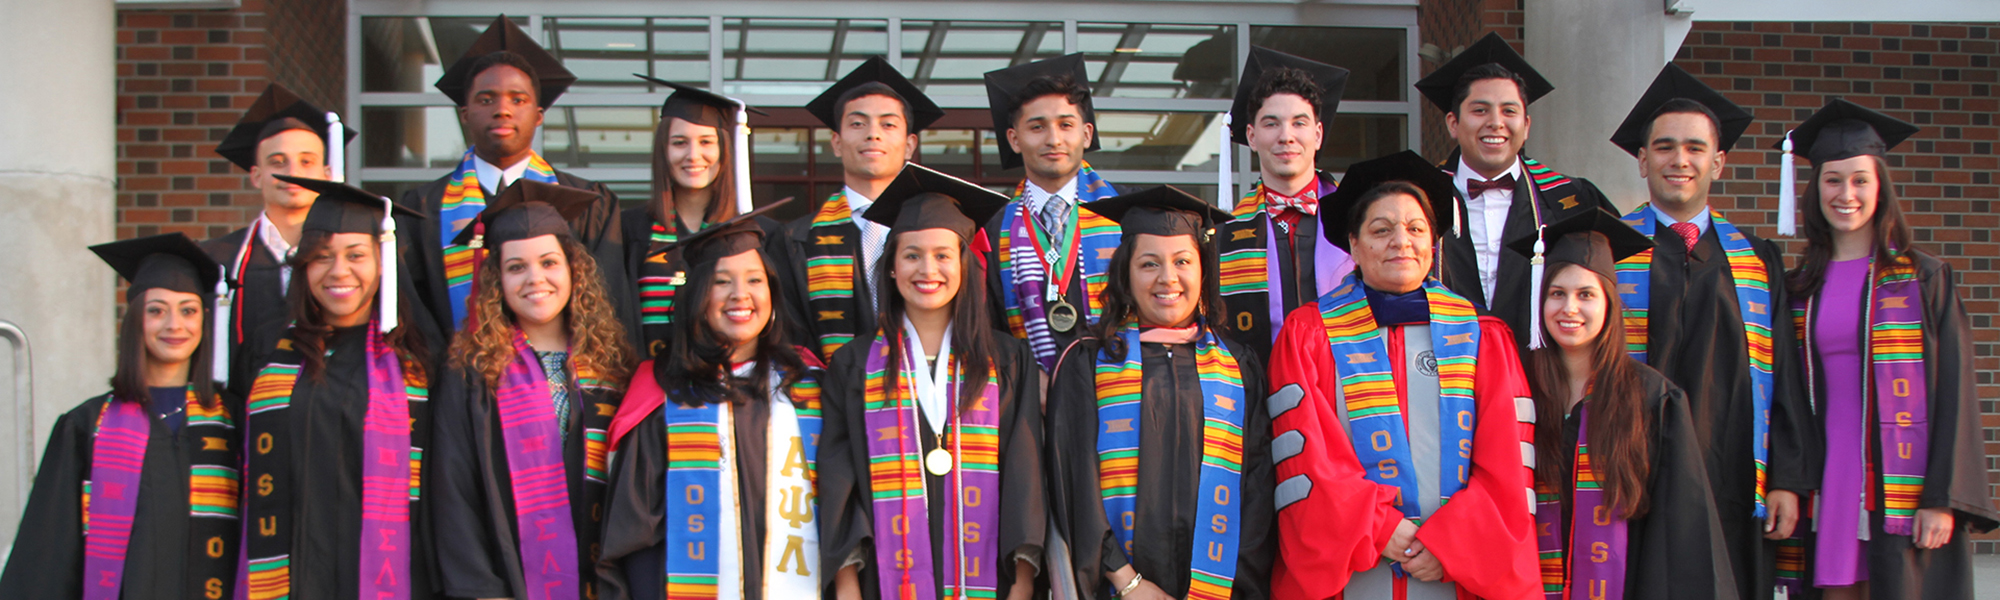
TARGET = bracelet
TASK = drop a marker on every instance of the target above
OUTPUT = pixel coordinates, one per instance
(1131, 585)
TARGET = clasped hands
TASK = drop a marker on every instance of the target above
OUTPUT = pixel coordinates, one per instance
(1417, 560)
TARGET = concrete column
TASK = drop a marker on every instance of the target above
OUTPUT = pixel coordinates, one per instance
(1601, 55)
(58, 115)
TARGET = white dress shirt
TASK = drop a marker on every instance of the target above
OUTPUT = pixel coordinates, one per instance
(1700, 221)
(495, 178)
(274, 242)
(1487, 222)
(870, 230)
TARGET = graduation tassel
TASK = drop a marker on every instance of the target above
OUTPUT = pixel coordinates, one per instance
(742, 157)
(1788, 183)
(336, 149)
(387, 299)
(219, 340)
(1535, 298)
(1224, 196)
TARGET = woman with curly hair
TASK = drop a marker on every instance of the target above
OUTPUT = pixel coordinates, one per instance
(535, 377)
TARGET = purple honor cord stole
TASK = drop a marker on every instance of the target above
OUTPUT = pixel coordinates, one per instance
(1595, 529)
(896, 483)
(540, 482)
(1120, 387)
(385, 476)
(112, 495)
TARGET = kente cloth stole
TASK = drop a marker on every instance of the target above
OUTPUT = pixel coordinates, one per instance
(1119, 415)
(696, 519)
(540, 482)
(831, 257)
(462, 202)
(657, 280)
(1896, 375)
(900, 503)
(391, 475)
(1024, 278)
(1248, 271)
(1753, 301)
(1380, 433)
(118, 455)
(1595, 526)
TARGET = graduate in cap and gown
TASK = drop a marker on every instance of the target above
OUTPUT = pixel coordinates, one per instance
(338, 421)
(525, 410)
(281, 134)
(502, 86)
(932, 480)
(1485, 92)
(1705, 307)
(1623, 509)
(697, 182)
(712, 484)
(1050, 257)
(1887, 352)
(874, 115)
(1159, 444)
(1273, 257)
(1403, 425)
(136, 495)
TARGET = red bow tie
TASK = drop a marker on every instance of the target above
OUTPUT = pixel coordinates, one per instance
(1307, 202)
(1474, 187)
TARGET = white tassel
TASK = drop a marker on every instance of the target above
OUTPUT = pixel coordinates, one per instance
(336, 149)
(1535, 302)
(1788, 183)
(387, 303)
(742, 151)
(219, 339)
(1224, 195)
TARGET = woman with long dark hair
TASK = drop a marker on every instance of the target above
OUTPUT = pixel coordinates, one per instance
(136, 496)
(1623, 505)
(716, 442)
(338, 421)
(535, 377)
(1158, 437)
(1888, 354)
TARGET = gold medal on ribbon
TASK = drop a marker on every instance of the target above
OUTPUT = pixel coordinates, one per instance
(938, 462)
(1062, 316)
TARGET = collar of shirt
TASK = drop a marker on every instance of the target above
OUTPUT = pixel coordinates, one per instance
(1465, 174)
(1306, 201)
(856, 203)
(267, 232)
(493, 178)
(1038, 197)
(1700, 220)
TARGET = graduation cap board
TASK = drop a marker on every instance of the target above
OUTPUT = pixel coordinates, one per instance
(276, 111)
(703, 107)
(731, 237)
(1405, 166)
(1671, 84)
(1595, 239)
(173, 262)
(343, 208)
(1162, 210)
(1003, 88)
(551, 78)
(923, 198)
(1442, 84)
(1839, 131)
(920, 111)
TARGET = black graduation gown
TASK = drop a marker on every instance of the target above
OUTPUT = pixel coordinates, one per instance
(1955, 473)
(597, 229)
(1460, 264)
(796, 242)
(1696, 339)
(1674, 551)
(637, 236)
(165, 559)
(634, 558)
(478, 537)
(847, 522)
(1169, 473)
(1298, 272)
(260, 301)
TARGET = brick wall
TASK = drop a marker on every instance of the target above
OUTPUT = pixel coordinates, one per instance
(1941, 77)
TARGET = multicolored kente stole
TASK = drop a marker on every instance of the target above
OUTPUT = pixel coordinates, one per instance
(832, 275)
(462, 203)
(1247, 245)
(1753, 300)
(896, 483)
(1119, 414)
(1594, 524)
(540, 486)
(1024, 278)
(658, 278)
(118, 455)
(1374, 407)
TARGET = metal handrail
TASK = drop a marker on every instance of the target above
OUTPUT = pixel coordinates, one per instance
(24, 411)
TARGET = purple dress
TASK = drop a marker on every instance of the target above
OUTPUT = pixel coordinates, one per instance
(1840, 550)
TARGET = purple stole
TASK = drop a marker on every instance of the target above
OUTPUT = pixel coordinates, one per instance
(540, 483)
(385, 476)
(113, 495)
(1594, 528)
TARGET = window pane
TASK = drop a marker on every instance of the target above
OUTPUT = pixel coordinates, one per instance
(630, 193)
(1373, 55)
(604, 53)
(411, 137)
(948, 58)
(1144, 60)
(599, 136)
(778, 152)
(803, 200)
(948, 150)
(796, 56)
(403, 54)
(1155, 141)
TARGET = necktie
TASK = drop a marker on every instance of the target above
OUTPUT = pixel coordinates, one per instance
(1689, 233)
(555, 366)
(1055, 220)
(871, 251)
(1474, 187)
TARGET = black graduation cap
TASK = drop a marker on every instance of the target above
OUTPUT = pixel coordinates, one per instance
(1004, 86)
(731, 237)
(1596, 239)
(504, 36)
(526, 209)
(1439, 86)
(922, 111)
(1160, 210)
(922, 198)
(1843, 130)
(168, 261)
(1332, 82)
(1406, 166)
(352, 210)
(696, 105)
(1674, 83)
(276, 111)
